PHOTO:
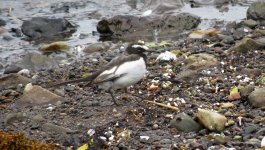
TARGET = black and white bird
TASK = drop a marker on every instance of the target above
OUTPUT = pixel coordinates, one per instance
(121, 72)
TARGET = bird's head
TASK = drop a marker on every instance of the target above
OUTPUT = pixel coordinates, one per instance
(136, 49)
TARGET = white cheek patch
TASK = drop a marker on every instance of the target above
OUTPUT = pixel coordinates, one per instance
(140, 46)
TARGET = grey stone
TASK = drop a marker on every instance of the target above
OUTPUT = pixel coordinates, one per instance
(49, 127)
(12, 80)
(219, 139)
(38, 118)
(45, 28)
(257, 97)
(95, 47)
(12, 69)
(12, 117)
(36, 95)
(245, 91)
(251, 23)
(185, 123)
(250, 129)
(254, 142)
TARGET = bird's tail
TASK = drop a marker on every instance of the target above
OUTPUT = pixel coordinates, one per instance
(88, 79)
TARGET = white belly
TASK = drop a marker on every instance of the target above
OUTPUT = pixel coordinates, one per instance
(133, 72)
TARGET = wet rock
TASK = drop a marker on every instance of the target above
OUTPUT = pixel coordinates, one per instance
(2, 22)
(212, 120)
(130, 27)
(201, 61)
(16, 32)
(246, 45)
(36, 95)
(49, 127)
(262, 32)
(95, 47)
(12, 117)
(12, 80)
(251, 23)
(55, 46)
(185, 123)
(256, 11)
(45, 28)
(36, 61)
(257, 97)
(12, 69)
(209, 2)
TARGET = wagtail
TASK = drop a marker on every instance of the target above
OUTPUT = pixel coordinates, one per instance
(121, 72)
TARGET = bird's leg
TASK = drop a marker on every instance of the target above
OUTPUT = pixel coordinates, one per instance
(111, 91)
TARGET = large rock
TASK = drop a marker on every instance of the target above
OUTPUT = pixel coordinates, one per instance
(256, 11)
(212, 120)
(257, 97)
(45, 28)
(185, 123)
(246, 45)
(36, 95)
(132, 27)
(36, 61)
(12, 80)
(201, 61)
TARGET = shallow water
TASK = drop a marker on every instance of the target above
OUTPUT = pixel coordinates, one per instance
(86, 15)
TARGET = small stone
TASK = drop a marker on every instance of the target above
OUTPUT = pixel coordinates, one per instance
(219, 139)
(38, 118)
(59, 92)
(227, 105)
(212, 120)
(12, 80)
(250, 129)
(49, 127)
(185, 123)
(251, 23)
(245, 91)
(254, 142)
(257, 97)
(95, 47)
(12, 69)
(237, 137)
(14, 117)
(165, 141)
(36, 95)
(7, 37)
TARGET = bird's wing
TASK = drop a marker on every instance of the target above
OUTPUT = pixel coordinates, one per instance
(109, 73)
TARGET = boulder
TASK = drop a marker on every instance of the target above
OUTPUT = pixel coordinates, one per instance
(46, 28)
(132, 27)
